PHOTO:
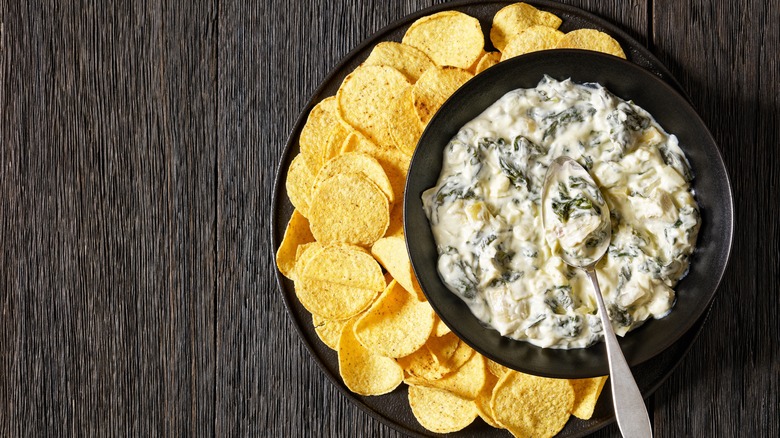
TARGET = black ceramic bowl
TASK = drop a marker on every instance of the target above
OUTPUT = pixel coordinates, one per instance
(672, 111)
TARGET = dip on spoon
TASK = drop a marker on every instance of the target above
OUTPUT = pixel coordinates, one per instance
(578, 229)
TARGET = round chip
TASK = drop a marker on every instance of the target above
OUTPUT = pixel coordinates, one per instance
(586, 395)
(338, 281)
(441, 411)
(306, 252)
(393, 161)
(497, 369)
(434, 87)
(357, 162)
(461, 355)
(404, 127)
(303, 254)
(533, 39)
(409, 60)
(296, 234)
(396, 227)
(515, 18)
(448, 38)
(322, 122)
(532, 406)
(489, 59)
(449, 350)
(363, 371)
(441, 328)
(444, 348)
(349, 208)
(396, 325)
(334, 142)
(591, 39)
(329, 331)
(465, 382)
(473, 68)
(423, 363)
(391, 253)
(366, 95)
(483, 401)
(298, 184)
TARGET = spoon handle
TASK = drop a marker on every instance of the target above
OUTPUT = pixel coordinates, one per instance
(630, 410)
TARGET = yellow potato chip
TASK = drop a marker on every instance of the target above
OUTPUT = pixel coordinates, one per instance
(449, 350)
(322, 121)
(466, 382)
(448, 38)
(423, 363)
(483, 401)
(404, 127)
(433, 361)
(444, 348)
(515, 18)
(395, 162)
(530, 405)
(532, 39)
(298, 184)
(489, 59)
(473, 68)
(497, 369)
(338, 281)
(461, 355)
(365, 96)
(396, 325)
(363, 371)
(409, 60)
(296, 234)
(441, 411)
(334, 142)
(391, 253)
(434, 87)
(440, 329)
(329, 331)
(357, 162)
(586, 394)
(306, 252)
(396, 227)
(591, 39)
(349, 208)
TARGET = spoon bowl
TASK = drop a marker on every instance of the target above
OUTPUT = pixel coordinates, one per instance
(577, 224)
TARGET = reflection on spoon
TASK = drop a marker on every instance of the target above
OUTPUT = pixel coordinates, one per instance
(578, 229)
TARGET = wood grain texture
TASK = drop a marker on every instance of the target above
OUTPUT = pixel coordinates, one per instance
(108, 158)
(728, 64)
(138, 149)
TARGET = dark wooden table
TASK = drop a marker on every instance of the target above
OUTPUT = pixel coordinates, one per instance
(138, 148)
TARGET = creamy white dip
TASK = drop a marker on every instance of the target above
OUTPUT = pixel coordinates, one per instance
(485, 214)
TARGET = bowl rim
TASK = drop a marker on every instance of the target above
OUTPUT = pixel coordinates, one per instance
(457, 320)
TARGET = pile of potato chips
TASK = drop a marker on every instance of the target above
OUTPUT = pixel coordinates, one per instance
(344, 246)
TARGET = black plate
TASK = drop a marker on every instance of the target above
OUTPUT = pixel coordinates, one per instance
(393, 409)
(672, 111)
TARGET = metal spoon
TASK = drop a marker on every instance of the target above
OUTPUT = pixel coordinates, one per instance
(630, 410)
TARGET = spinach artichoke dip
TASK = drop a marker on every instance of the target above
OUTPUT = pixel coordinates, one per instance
(485, 214)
